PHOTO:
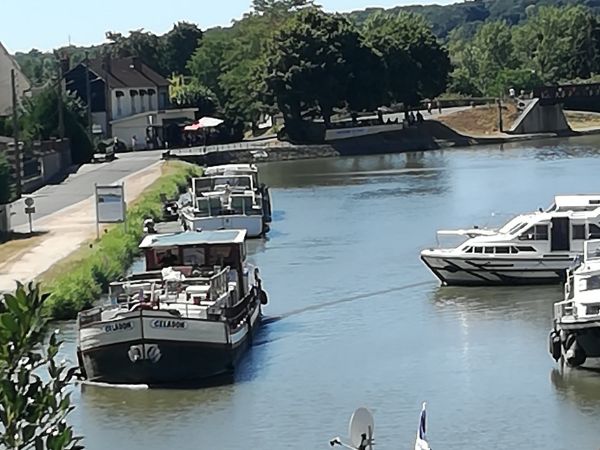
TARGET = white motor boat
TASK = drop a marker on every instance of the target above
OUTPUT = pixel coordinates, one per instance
(245, 169)
(534, 248)
(230, 202)
(575, 338)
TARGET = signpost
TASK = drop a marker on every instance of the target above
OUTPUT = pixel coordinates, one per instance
(29, 210)
(110, 205)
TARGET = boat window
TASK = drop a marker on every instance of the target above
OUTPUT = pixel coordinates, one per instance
(514, 250)
(578, 232)
(535, 233)
(590, 283)
(518, 227)
(502, 250)
(525, 248)
(489, 250)
(594, 231)
(468, 250)
(478, 249)
(592, 310)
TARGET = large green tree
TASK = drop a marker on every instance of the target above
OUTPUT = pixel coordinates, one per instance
(417, 64)
(558, 43)
(39, 120)
(139, 43)
(177, 47)
(312, 63)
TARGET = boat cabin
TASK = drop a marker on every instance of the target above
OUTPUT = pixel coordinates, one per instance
(234, 169)
(221, 183)
(564, 227)
(196, 252)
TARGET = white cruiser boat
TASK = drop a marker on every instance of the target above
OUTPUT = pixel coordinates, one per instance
(230, 202)
(186, 320)
(575, 338)
(245, 169)
(534, 248)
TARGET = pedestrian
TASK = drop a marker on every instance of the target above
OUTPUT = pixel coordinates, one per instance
(420, 117)
(429, 106)
(133, 142)
(439, 105)
(412, 118)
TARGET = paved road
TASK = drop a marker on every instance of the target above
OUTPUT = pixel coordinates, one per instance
(79, 186)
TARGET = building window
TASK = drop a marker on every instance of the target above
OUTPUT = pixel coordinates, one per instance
(133, 93)
(151, 94)
(162, 100)
(119, 95)
(142, 95)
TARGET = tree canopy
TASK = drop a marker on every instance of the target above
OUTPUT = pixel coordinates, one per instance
(551, 45)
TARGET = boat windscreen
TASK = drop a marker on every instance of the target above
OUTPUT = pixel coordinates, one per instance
(512, 228)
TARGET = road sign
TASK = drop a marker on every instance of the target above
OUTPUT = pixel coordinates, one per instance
(29, 210)
(110, 205)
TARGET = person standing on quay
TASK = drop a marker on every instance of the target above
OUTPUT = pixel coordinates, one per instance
(439, 105)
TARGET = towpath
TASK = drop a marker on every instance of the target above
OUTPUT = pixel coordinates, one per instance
(66, 214)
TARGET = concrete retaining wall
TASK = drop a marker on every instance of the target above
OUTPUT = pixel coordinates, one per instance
(539, 118)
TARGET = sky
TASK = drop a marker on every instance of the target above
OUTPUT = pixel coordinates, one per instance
(48, 24)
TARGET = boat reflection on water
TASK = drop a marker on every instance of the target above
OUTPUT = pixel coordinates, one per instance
(506, 303)
(580, 386)
(138, 403)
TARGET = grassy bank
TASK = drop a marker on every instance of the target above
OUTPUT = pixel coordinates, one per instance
(78, 281)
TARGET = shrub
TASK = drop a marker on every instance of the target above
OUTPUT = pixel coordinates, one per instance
(114, 252)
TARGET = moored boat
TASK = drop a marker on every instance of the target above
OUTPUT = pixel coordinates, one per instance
(575, 337)
(228, 198)
(187, 319)
(534, 248)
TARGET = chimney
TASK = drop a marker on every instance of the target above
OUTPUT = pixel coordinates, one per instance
(136, 64)
(107, 63)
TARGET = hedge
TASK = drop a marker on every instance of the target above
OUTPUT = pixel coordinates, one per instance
(113, 254)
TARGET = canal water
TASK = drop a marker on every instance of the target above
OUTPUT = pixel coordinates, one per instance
(355, 319)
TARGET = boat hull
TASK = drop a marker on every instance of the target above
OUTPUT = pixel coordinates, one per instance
(130, 351)
(254, 225)
(576, 344)
(460, 271)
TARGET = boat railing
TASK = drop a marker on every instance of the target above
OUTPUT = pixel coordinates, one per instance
(565, 309)
(156, 291)
(90, 316)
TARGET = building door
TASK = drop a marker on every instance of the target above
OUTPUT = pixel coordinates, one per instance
(561, 239)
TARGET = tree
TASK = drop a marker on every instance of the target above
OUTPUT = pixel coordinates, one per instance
(33, 404)
(193, 95)
(311, 64)
(178, 46)
(5, 184)
(141, 44)
(39, 120)
(418, 66)
(558, 43)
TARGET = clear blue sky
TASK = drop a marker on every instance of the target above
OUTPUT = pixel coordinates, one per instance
(47, 24)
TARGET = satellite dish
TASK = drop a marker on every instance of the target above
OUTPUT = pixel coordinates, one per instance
(361, 423)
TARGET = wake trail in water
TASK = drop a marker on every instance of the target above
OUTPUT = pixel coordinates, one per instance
(273, 319)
